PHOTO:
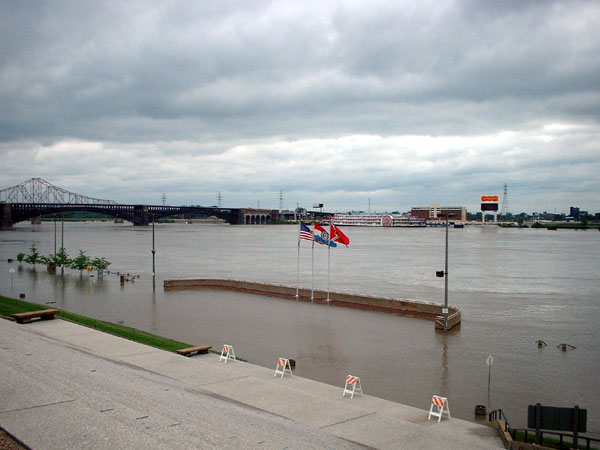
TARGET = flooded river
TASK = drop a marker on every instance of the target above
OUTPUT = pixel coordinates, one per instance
(513, 287)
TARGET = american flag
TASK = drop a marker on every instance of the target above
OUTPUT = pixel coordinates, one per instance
(306, 233)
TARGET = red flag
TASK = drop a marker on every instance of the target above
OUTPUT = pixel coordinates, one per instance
(319, 227)
(338, 236)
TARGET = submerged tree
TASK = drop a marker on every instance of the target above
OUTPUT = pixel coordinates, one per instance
(80, 262)
(34, 258)
(48, 260)
(59, 259)
(100, 264)
(62, 258)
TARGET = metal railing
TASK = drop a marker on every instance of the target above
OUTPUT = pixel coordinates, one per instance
(565, 440)
(498, 414)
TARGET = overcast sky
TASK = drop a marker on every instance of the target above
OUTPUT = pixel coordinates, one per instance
(405, 103)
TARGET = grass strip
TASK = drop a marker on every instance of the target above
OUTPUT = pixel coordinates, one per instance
(125, 332)
(10, 306)
(547, 441)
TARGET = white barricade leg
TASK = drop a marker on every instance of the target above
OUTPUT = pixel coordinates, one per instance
(283, 365)
(431, 413)
(440, 404)
(231, 353)
(227, 353)
(356, 387)
(347, 391)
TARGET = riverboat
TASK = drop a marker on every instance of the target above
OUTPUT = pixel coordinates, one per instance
(377, 220)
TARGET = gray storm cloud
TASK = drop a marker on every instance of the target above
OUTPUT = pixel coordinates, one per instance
(331, 101)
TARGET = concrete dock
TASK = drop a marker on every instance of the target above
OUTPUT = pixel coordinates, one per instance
(63, 385)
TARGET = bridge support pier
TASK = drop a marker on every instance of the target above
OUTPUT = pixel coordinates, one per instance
(5, 216)
(140, 215)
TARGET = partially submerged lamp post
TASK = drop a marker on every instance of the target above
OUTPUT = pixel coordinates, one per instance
(489, 361)
(62, 243)
(153, 258)
(55, 238)
(444, 274)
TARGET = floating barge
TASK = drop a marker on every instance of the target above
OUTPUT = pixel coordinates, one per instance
(429, 311)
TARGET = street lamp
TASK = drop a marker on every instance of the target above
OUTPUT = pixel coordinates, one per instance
(153, 258)
(444, 274)
(489, 361)
(62, 243)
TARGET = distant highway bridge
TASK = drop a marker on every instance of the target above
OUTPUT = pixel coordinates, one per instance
(36, 197)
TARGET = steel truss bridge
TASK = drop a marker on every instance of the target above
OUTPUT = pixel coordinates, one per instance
(36, 197)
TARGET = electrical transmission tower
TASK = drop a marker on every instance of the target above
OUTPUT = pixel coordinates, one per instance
(164, 199)
(504, 209)
(219, 198)
(280, 202)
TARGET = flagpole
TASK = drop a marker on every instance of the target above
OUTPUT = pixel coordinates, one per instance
(298, 267)
(328, 264)
(312, 276)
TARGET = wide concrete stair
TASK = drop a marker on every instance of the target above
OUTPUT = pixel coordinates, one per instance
(363, 420)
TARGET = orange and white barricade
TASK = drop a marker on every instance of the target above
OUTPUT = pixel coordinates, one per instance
(356, 387)
(441, 406)
(227, 353)
(283, 364)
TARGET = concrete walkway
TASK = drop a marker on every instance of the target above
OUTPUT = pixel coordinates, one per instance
(63, 385)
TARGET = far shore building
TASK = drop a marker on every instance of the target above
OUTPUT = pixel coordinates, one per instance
(457, 213)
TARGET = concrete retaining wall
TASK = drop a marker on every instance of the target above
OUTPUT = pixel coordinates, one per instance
(429, 311)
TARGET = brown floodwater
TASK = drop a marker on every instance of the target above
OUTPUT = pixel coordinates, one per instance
(512, 286)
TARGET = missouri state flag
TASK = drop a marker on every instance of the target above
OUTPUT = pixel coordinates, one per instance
(323, 238)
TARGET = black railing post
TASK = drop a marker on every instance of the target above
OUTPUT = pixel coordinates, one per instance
(575, 425)
(538, 423)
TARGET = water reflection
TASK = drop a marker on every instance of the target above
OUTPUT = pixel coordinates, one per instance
(59, 287)
(153, 313)
(445, 374)
(31, 274)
